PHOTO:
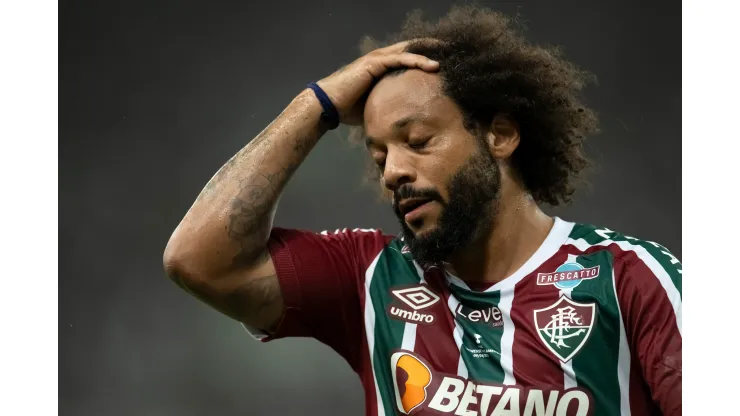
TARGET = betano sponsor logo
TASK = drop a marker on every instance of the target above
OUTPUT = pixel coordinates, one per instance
(409, 301)
(421, 391)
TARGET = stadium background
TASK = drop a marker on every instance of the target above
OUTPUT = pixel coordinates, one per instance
(156, 95)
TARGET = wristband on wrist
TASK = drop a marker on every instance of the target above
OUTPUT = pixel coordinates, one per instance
(330, 115)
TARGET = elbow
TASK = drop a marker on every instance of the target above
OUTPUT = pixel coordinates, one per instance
(181, 263)
(196, 258)
(190, 263)
(174, 266)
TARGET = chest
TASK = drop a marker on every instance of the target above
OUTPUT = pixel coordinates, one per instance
(489, 334)
(511, 349)
(558, 326)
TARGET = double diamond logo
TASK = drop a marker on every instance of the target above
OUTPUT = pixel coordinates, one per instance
(409, 301)
(417, 297)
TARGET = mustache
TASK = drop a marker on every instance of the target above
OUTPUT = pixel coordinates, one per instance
(408, 191)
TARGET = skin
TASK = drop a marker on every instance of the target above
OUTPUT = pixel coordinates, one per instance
(218, 251)
(417, 137)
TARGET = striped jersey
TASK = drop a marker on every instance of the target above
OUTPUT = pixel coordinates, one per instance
(589, 325)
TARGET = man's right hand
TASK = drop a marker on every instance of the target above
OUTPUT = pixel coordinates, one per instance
(347, 86)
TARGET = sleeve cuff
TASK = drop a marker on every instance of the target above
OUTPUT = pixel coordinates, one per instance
(288, 280)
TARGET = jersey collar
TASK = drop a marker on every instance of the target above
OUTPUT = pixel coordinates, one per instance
(554, 240)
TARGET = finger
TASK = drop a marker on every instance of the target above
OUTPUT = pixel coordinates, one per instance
(409, 60)
(413, 60)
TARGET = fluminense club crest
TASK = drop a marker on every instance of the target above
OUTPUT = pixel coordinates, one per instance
(565, 326)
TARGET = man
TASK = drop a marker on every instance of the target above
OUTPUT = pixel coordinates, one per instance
(485, 304)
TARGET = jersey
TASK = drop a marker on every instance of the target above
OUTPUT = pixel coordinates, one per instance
(589, 325)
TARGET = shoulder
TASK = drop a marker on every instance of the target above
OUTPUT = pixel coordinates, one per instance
(362, 242)
(623, 247)
(646, 261)
(376, 236)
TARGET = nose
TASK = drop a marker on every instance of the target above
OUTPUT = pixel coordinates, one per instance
(398, 170)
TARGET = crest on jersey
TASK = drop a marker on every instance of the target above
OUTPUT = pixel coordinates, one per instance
(564, 327)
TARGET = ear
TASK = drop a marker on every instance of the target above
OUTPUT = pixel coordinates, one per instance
(503, 136)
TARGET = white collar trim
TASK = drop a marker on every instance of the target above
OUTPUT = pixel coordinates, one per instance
(555, 239)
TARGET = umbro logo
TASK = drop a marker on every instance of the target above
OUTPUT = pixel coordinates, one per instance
(409, 301)
(417, 297)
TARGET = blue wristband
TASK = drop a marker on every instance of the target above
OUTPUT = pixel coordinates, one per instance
(330, 115)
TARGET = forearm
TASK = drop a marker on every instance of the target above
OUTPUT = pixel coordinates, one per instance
(230, 221)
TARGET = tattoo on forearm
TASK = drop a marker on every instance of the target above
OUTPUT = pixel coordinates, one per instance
(255, 200)
(255, 176)
(225, 170)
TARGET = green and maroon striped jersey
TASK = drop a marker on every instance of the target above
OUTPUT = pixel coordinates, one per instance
(589, 325)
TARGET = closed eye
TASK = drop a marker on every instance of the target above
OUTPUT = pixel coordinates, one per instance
(418, 143)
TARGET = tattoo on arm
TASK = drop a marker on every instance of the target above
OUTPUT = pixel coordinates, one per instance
(245, 191)
(249, 184)
(254, 203)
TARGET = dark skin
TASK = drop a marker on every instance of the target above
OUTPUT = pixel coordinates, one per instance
(218, 252)
(416, 136)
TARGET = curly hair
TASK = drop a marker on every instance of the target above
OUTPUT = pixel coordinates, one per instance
(487, 68)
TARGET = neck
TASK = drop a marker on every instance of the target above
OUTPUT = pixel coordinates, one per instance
(518, 230)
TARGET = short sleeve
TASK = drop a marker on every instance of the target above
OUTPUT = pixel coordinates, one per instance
(650, 299)
(321, 277)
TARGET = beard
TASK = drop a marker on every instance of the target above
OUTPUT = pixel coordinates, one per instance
(473, 201)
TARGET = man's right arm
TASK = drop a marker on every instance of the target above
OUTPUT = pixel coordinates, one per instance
(218, 253)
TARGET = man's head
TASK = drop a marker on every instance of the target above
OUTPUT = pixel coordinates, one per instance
(499, 114)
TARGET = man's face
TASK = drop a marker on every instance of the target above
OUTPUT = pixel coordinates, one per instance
(444, 180)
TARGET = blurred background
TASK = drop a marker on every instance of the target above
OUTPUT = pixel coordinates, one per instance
(156, 95)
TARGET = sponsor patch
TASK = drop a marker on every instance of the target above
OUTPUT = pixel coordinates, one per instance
(490, 316)
(568, 276)
(421, 390)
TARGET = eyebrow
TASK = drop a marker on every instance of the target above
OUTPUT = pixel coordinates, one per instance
(398, 125)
